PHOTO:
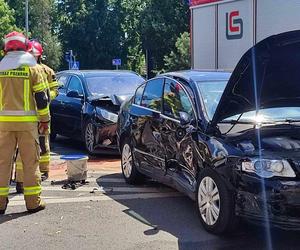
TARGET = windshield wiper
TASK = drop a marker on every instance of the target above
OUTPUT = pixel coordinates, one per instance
(290, 120)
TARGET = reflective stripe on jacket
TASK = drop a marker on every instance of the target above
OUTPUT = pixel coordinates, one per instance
(18, 89)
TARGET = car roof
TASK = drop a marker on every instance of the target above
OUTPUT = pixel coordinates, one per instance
(200, 75)
(92, 73)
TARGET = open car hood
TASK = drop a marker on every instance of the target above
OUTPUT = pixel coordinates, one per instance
(267, 76)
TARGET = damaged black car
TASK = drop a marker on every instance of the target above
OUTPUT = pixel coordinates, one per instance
(229, 141)
(88, 104)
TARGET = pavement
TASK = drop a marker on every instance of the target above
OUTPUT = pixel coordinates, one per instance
(107, 213)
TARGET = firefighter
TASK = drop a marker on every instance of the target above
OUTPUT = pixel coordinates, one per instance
(24, 112)
(49, 74)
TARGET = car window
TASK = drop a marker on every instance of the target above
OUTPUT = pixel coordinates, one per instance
(62, 83)
(75, 85)
(176, 100)
(138, 94)
(211, 92)
(152, 97)
(118, 84)
(62, 80)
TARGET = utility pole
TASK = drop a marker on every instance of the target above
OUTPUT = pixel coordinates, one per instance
(26, 18)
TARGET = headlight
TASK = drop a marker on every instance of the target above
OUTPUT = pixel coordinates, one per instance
(108, 115)
(268, 168)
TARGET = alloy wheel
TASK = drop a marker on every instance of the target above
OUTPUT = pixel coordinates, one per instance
(209, 201)
(127, 161)
(89, 137)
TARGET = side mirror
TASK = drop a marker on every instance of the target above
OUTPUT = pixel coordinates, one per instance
(74, 94)
(185, 118)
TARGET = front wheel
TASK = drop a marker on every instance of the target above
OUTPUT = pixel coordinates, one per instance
(215, 203)
(89, 137)
(129, 170)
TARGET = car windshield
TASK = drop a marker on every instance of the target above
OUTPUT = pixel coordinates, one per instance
(211, 92)
(114, 84)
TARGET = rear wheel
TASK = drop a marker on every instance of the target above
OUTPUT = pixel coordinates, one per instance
(89, 137)
(129, 170)
(215, 203)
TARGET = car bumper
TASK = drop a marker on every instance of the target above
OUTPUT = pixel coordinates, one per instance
(273, 201)
(106, 137)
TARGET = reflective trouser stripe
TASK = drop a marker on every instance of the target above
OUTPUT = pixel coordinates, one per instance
(45, 158)
(18, 113)
(35, 190)
(4, 191)
(44, 111)
(26, 95)
(1, 97)
(19, 165)
(19, 119)
(40, 87)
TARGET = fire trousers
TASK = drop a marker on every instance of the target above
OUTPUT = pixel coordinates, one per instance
(28, 145)
(44, 158)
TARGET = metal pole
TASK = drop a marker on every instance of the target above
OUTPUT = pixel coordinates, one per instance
(26, 18)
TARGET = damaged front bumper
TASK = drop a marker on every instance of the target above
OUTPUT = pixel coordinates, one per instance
(274, 201)
(106, 137)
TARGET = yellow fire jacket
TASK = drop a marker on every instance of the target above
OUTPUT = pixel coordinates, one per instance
(52, 82)
(23, 98)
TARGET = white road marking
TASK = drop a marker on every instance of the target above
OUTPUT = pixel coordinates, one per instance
(112, 180)
(101, 197)
(109, 189)
(98, 179)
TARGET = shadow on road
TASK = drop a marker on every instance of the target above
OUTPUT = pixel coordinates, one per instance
(13, 216)
(178, 216)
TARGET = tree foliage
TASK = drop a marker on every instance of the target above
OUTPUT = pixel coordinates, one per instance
(7, 20)
(42, 27)
(92, 29)
(179, 59)
(99, 30)
(153, 26)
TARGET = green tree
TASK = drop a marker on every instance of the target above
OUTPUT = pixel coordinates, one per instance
(7, 20)
(42, 26)
(92, 29)
(161, 24)
(133, 10)
(180, 58)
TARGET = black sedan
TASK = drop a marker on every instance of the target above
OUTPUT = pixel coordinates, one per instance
(229, 141)
(87, 106)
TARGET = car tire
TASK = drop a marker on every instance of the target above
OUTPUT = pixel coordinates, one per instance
(215, 203)
(130, 173)
(89, 137)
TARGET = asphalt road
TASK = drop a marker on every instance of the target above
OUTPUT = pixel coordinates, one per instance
(106, 213)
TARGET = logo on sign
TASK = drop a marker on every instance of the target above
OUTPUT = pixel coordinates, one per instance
(234, 25)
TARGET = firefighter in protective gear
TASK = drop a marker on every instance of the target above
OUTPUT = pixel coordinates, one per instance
(24, 108)
(49, 74)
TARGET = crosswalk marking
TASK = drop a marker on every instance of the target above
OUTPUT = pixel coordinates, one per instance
(102, 197)
(108, 189)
